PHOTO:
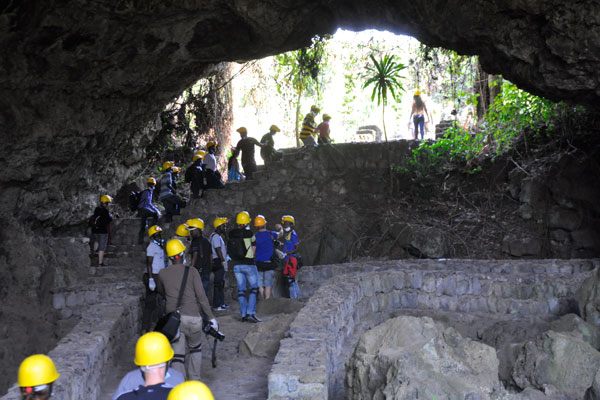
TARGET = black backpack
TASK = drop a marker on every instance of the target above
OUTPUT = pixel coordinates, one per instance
(236, 247)
(204, 263)
(134, 200)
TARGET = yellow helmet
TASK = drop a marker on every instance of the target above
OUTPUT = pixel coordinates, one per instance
(154, 229)
(196, 223)
(105, 199)
(220, 221)
(211, 144)
(417, 92)
(190, 390)
(242, 130)
(36, 370)
(175, 247)
(197, 156)
(151, 180)
(243, 218)
(260, 220)
(288, 218)
(182, 231)
(177, 170)
(274, 128)
(168, 164)
(152, 348)
(315, 109)
(326, 117)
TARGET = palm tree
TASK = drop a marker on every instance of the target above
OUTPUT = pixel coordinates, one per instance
(385, 77)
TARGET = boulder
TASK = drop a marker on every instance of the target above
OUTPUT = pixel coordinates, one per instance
(577, 327)
(559, 359)
(263, 340)
(408, 357)
(425, 241)
(593, 392)
(588, 299)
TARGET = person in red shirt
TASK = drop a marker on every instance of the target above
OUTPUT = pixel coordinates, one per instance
(323, 129)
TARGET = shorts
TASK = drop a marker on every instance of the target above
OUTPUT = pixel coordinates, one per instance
(266, 278)
(102, 239)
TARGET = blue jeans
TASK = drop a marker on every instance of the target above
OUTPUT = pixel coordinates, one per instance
(294, 290)
(246, 274)
(419, 121)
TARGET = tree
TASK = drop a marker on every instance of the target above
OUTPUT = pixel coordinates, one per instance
(385, 77)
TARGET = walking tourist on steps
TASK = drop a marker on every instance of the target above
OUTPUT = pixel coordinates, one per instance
(211, 175)
(219, 262)
(154, 379)
(324, 130)
(155, 261)
(200, 251)
(146, 210)
(267, 151)
(264, 254)
(290, 248)
(194, 176)
(194, 305)
(172, 202)
(246, 147)
(37, 374)
(241, 245)
(191, 390)
(309, 127)
(418, 112)
(100, 227)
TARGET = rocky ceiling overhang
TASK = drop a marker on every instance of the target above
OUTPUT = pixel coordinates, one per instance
(82, 80)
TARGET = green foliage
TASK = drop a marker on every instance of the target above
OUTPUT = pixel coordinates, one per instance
(513, 113)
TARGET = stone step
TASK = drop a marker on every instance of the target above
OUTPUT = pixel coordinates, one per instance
(95, 293)
(119, 272)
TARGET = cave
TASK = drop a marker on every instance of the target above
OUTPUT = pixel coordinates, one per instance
(83, 84)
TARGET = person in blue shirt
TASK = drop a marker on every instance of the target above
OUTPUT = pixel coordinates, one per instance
(264, 253)
(291, 256)
(147, 210)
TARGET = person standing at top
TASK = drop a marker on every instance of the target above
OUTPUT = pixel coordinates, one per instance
(268, 152)
(212, 177)
(194, 175)
(324, 130)
(173, 203)
(100, 227)
(147, 210)
(309, 126)
(246, 147)
(418, 112)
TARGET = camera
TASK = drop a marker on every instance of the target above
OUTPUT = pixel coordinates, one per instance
(209, 330)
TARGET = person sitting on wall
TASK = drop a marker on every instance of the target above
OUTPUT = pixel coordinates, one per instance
(308, 127)
(172, 202)
(324, 130)
(155, 378)
(268, 152)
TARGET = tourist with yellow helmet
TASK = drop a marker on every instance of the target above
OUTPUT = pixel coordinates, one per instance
(212, 178)
(241, 246)
(146, 210)
(291, 256)
(191, 390)
(324, 130)
(265, 250)
(219, 262)
(194, 175)
(309, 126)
(168, 192)
(194, 305)
(100, 223)
(37, 374)
(200, 250)
(268, 152)
(155, 261)
(182, 232)
(246, 147)
(154, 378)
(418, 112)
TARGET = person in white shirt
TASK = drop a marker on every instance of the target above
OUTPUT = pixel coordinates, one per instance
(155, 261)
(219, 262)
(212, 177)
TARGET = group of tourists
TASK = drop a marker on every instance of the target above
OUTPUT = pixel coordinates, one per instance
(154, 379)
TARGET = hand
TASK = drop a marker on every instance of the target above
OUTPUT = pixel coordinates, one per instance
(225, 266)
(151, 284)
(214, 324)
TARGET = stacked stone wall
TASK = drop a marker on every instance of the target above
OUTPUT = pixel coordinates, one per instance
(309, 361)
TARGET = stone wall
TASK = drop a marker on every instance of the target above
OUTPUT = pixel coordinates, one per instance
(309, 361)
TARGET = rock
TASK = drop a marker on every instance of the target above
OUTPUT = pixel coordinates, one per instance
(278, 306)
(263, 340)
(588, 299)
(593, 392)
(426, 241)
(558, 359)
(577, 327)
(562, 218)
(520, 247)
(408, 357)
(549, 393)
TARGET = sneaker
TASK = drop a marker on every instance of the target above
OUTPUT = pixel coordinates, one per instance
(220, 308)
(225, 306)
(253, 318)
(245, 319)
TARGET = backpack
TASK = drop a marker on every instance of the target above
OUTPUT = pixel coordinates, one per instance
(134, 200)
(236, 247)
(93, 220)
(204, 262)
